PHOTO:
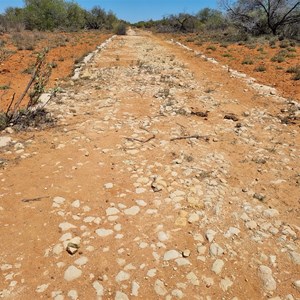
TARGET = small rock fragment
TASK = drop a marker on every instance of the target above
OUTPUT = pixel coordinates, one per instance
(265, 274)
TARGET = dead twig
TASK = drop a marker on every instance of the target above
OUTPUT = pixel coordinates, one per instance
(141, 141)
(34, 199)
(196, 136)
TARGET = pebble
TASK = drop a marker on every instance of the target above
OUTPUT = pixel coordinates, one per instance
(122, 276)
(121, 296)
(265, 274)
(99, 288)
(296, 285)
(66, 226)
(132, 211)
(42, 288)
(186, 253)
(215, 249)
(5, 141)
(192, 278)
(73, 294)
(112, 211)
(135, 289)
(210, 235)
(162, 236)
(295, 256)
(108, 185)
(104, 232)
(76, 204)
(217, 266)
(160, 288)
(251, 225)
(72, 273)
(171, 254)
(81, 261)
(225, 284)
(151, 273)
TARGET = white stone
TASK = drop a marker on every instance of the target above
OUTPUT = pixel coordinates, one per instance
(59, 200)
(121, 296)
(217, 266)
(104, 232)
(271, 213)
(160, 288)
(81, 261)
(99, 288)
(108, 185)
(296, 285)
(122, 276)
(162, 236)
(66, 226)
(140, 190)
(112, 211)
(73, 294)
(225, 284)
(210, 235)
(5, 141)
(141, 203)
(42, 288)
(171, 254)
(192, 278)
(177, 294)
(151, 273)
(135, 289)
(76, 204)
(132, 211)
(265, 274)
(72, 273)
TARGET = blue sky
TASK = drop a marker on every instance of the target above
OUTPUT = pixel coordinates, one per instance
(135, 10)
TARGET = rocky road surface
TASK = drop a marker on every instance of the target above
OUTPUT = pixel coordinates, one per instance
(165, 177)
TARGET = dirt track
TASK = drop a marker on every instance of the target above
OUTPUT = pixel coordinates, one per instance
(165, 198)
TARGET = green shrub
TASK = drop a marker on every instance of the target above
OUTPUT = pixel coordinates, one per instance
(260, 68)
(247, 61)
(211, 47)
(121, 29)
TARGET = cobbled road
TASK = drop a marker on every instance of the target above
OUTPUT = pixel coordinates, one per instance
(166, 176)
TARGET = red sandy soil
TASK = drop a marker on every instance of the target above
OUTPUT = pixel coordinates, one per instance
(260, 53)
(65, 49)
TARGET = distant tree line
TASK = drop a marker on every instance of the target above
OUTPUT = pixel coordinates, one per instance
(256, 17)
(49, 15)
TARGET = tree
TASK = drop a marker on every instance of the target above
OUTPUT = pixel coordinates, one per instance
(75, 16)
(262, 16)
(45, 14)
(212, 19)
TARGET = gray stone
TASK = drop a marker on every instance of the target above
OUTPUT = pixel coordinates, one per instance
(217, 266)
(215, 249)
(112, 211)
(160, 288)
(73, 294)
(171, 254)
(162, 236)
(296, 285)
(5, 141)
(42, 288)
(210, 235)
(192, 278)
(295, 257)
(122, 276)
(121, 296)
(72, 273)
(225, 284)
(271, 213)
(135, 289)
(81, 261)
(66, 226)
(104, 232)
(265, 274)
(132, 211)
(99, 288)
